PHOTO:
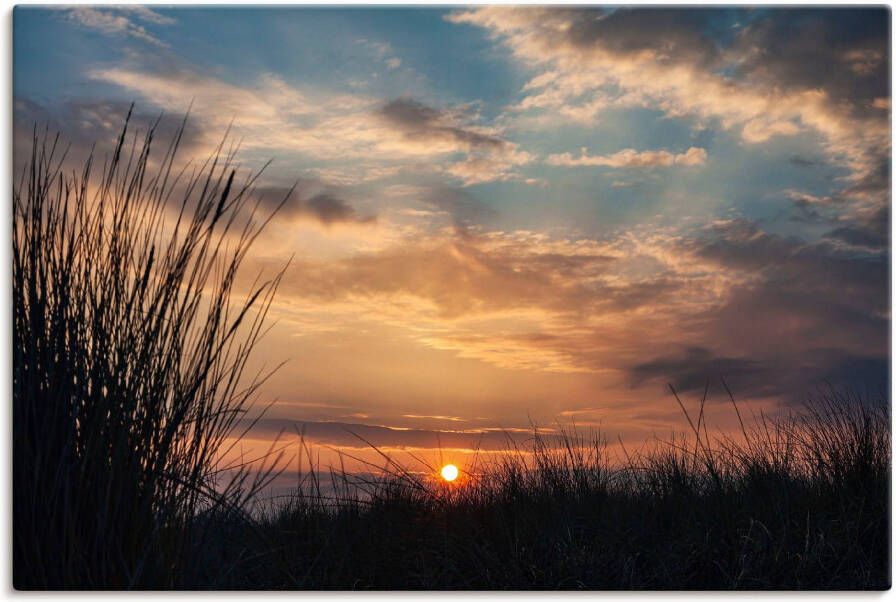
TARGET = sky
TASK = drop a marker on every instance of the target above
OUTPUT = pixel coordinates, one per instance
(515, 216)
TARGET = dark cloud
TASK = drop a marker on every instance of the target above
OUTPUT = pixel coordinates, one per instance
(358, 435)
(854, 371)
(872, 233)
(843, 51)
(420, 122)
(741, 244)
(821, 287)
(804, 313)
(410, 113)
(303, 202)
(874, 183)
(792, 378)
(94, 125)
(801, 161)
(859, 211)
(330, 209)
(672, 34)
(465, 209)
(696, 367)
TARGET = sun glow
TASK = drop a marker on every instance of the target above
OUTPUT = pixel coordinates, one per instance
(450, 472)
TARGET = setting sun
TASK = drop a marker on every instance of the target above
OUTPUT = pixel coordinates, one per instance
(449, 472)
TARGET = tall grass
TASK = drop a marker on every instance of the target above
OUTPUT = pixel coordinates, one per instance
(129, 352)
(800, 501)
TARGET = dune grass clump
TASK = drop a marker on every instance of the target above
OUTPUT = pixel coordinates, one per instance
(129, 350)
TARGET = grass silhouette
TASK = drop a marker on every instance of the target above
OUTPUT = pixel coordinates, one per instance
(129, 352)
(798, 502)
(128, 356)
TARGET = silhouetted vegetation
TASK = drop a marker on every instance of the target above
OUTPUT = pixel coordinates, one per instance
(128, 359)
(128, 354)
(795, 503)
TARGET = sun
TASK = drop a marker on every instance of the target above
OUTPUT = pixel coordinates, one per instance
(450, 472)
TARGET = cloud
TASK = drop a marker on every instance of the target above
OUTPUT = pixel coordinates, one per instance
(393, 290)
(145, 13)
(516, 300)
(378, 138)
(843, 52)
(94, 126)
(801, 161)
(799, 308)
(814, 207)
(871, 232)
(353, 435)
(120, 21)
(773, 314)
(476, 273)
(791, 315)
(421, 123)
(741, 244)
(696, 64)
(669, 35)
(489, 157)
(630, 158)
(330, 209)
(695, 367)
(308, 201)
(790, 379)
(382, 51)
(464, 208)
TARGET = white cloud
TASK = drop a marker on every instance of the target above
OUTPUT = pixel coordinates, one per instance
(120, 21)
(629, 157)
